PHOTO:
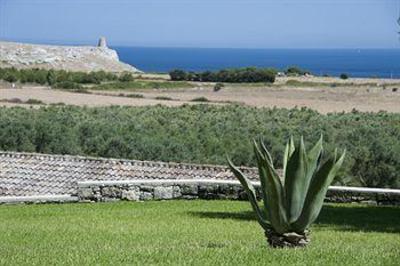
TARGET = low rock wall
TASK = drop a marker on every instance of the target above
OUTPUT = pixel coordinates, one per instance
(159, 190)
(363, 195)
(142, 190)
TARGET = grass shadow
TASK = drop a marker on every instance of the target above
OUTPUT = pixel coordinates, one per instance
(337, 217)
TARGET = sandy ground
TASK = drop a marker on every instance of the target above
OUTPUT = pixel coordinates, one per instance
(49, 96)
(323, 99)
(282, 80)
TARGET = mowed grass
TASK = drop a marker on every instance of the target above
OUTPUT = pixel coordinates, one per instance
(188, 233)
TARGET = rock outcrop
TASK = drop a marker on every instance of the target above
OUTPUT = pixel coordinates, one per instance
(71, 58)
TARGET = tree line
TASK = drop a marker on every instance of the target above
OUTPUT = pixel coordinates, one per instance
(247, 75)
(236, 75)
(61, 78)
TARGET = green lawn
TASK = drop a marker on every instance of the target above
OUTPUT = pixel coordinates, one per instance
(188, 232)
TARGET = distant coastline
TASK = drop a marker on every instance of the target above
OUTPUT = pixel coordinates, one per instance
(381, 63)
(70, 58)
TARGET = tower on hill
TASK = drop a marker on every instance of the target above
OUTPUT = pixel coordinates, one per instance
(102, 42)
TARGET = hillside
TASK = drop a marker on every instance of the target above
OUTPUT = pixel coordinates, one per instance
(72, 58)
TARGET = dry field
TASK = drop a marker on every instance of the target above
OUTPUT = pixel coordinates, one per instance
(361, 94)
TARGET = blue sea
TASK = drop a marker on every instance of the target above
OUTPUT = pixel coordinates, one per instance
(383, 63)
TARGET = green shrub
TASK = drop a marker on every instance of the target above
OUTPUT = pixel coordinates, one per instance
(163, 98)
(200, 99)
(90, 78)
(193, 76)
(68, 85)
(51, 77)
(178, 75)
(34, 101)
(58, 104)
(208, 76)
(12, 100)
(344, 76)
(219, 86)
(296, 71)
(10, 77)
(40, 76)
(135, 96)
(248, 75)
(131, 95)
(126, 77)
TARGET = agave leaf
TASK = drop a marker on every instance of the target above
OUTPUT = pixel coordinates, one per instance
(266, 153)
(314, 157)
(295, 182)
(251, 193)
(274, 192)
(288, 153)
(313, 161)
(317, 191)
(262, 174)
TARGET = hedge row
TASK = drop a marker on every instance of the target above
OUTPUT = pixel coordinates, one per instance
(59, 78)
(205, 134)
(248, 75)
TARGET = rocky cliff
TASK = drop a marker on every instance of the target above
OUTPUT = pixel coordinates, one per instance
(72, 58)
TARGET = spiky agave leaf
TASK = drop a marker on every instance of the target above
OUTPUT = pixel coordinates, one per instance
(313, 162)
(316, 193)
(295, 183)
(302, 168)
(266, 153)
(314, 158)
(262, 173)
(251, 193)
(302, 195)
(288, 153)
(275, 195)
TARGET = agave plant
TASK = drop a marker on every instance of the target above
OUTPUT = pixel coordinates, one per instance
(294, 200)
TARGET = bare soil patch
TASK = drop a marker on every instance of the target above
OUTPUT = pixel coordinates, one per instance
(368, 95)
(50, 96)
(324, 100)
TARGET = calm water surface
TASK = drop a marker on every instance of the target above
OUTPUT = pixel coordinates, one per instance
(357, 63)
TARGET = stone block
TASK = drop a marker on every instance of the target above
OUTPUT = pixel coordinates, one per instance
(227, 191)
(189, 197)
(146, 195)
(86, 193)
(161, 193)
(147, 188)
(111, 192)
(189, 189)
(176, 192)
(208, 191)
(130, 195)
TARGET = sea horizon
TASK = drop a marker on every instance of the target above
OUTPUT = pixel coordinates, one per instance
(371, 62)
(356, 62)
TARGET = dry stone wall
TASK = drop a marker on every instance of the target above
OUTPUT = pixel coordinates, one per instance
(142, 190)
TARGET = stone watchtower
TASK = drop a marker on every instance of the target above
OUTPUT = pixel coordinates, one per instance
(102, 42)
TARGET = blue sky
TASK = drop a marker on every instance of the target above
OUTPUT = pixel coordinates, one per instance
(205, 23)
